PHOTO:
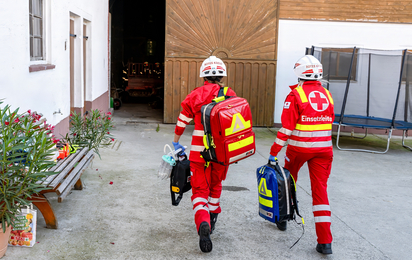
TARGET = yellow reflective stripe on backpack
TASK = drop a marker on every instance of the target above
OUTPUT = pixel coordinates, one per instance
(238, 124)
(218, 99)
(205, 143)
(240, 144)
(263, 188)
(265, 202)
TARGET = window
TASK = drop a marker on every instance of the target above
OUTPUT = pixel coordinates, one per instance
(336, 63)
(36, 29)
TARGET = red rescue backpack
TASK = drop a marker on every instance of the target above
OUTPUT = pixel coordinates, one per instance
(227, 123)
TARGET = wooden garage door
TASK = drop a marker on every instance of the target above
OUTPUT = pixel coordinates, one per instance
(240, 32)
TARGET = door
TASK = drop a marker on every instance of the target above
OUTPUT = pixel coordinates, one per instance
(72, 91)
(242, 33)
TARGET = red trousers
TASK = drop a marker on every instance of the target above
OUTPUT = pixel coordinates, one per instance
(319, 165)
(206, 189)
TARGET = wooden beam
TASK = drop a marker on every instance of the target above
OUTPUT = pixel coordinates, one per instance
(43, 204)
(74, 180)
(74, 173)
(67, 169)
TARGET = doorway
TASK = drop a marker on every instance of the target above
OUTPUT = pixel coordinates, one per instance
(137, 58)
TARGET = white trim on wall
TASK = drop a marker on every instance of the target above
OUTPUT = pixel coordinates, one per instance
(78, 60)
(89, 52)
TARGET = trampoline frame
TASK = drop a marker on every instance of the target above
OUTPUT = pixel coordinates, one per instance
(403, 141)
(366, 133)
(392, 126)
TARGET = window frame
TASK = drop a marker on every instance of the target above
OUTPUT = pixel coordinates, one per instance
(42, 30)
(338, 51)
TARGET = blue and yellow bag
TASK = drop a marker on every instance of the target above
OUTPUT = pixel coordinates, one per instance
(277, 193)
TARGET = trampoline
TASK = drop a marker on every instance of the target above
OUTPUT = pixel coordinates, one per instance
(370, 88)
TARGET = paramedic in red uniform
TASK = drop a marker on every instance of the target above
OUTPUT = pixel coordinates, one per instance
(206, 181)
(307, 119)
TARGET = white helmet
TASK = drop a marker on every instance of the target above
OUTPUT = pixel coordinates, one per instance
(309, 68)
(212, 66)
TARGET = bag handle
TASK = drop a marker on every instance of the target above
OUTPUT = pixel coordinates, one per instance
(171, 151)
(271, 163)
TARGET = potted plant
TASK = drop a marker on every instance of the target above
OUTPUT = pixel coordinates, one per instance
(26, 148)
(91, 130)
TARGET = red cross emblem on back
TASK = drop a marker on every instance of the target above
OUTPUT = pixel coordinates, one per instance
(318, 101)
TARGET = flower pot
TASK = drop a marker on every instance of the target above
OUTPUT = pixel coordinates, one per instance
(4, 240)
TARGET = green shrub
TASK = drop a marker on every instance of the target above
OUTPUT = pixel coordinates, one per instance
(91, 130)
(26, 148)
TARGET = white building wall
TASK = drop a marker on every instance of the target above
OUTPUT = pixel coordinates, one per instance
(294, 36)
(48, 91)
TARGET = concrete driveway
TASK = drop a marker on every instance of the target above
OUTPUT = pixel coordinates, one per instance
(133, 218)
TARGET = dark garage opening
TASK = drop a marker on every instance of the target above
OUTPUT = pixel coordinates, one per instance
(137, 59)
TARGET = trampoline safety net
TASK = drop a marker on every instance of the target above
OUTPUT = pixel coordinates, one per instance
(370, 88)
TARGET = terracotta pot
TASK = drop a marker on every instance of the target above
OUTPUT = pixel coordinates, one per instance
(4, 240)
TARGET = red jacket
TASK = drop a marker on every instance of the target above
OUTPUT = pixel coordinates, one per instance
(191, 110)
(307, 119)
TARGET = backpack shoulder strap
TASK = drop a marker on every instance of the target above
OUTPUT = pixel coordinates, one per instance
(221, 95)
(295, 201)
(222, 91)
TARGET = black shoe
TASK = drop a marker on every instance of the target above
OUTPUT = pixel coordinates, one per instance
(213, 219)
(205, 243)
(325, 249)
(282, 225)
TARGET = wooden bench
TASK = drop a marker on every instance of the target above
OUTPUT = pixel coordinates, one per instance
(68, 173)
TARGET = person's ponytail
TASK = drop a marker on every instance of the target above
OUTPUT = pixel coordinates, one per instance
(215, 80)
